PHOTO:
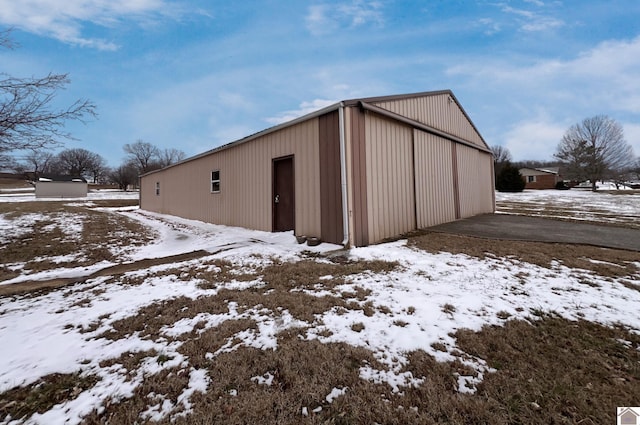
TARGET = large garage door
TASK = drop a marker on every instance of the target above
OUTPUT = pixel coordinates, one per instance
(435, 190)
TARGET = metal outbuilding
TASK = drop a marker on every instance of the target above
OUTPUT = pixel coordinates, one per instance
(61, 186)
(354, 173)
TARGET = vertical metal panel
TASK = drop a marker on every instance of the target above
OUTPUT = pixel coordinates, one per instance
(390, 183)
(245, 182)
(437, 111)
(435, 194)
(330, 184)
(359, 206)
(456, 178)
(475, 181)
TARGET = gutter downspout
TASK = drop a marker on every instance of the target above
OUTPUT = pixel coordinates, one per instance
(343, 176)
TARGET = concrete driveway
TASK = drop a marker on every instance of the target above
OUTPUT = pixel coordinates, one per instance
(525, 228)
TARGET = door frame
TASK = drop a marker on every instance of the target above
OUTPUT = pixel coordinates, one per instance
(273, 189)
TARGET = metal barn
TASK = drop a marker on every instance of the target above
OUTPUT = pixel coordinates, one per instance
(354, 173)
(50, 186)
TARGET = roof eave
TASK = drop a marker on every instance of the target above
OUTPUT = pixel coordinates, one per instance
(325, 110)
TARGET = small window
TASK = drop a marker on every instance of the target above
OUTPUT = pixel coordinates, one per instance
(215, 181)
(158, 188)
(531, 179)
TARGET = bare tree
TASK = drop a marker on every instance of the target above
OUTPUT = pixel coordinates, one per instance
(38, 161)
(8, 163)
(501, 157)
(78, 162)
(5, 39)
(124, 176)
(635, 168)
(594, 149)
(99, 169)
(501, 154)
(532, 163)
(170, 156)
(143, 154)
(28, 118)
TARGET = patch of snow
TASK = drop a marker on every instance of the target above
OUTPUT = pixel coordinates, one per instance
(266, 379)
(393, 379)
(335, 393)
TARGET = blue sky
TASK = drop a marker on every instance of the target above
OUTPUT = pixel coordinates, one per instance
(195, 74)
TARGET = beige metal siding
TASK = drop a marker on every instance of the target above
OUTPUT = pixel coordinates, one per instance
(435, 195)
(438, 111)
(245, 197)
(390, 184)
(330, 184)
(475, 179)
(357, 159)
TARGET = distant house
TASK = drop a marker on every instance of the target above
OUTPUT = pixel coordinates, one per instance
(354, 173)
(56, 186)
(541, 178)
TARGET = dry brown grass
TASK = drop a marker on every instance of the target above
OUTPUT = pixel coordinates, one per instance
(151, 319)
(548, 370)
(114, 203)
(14, 184)
(281, 290)
(39, 397)
(102, 236)
(557, 371)
(610, 262)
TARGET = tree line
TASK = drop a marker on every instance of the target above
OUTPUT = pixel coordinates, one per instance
(140, 157)
(590, 151)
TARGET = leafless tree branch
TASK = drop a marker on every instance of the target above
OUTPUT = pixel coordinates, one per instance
(28, 117)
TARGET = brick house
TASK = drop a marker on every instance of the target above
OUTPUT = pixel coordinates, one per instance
(541, 178)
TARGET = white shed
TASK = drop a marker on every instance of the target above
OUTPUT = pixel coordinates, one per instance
(61, 187)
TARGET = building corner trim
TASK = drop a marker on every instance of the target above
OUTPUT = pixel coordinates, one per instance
(343, 176)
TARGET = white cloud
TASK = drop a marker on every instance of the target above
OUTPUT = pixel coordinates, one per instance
(544, 98)
(533, 21)
(64, 20)
(305, 108)
(604, 76)
(361, 12)
(632, 136)
(542, 24)
(533, 140)
(519, 12)
(491, 26)
(325, 18)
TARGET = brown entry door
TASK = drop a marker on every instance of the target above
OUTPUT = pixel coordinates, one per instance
(284, 207)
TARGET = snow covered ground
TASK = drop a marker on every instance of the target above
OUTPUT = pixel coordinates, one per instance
(432, 295)
(29, 195)
(577, 204)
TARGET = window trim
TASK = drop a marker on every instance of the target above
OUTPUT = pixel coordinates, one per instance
(531, 179)
(215, 181)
